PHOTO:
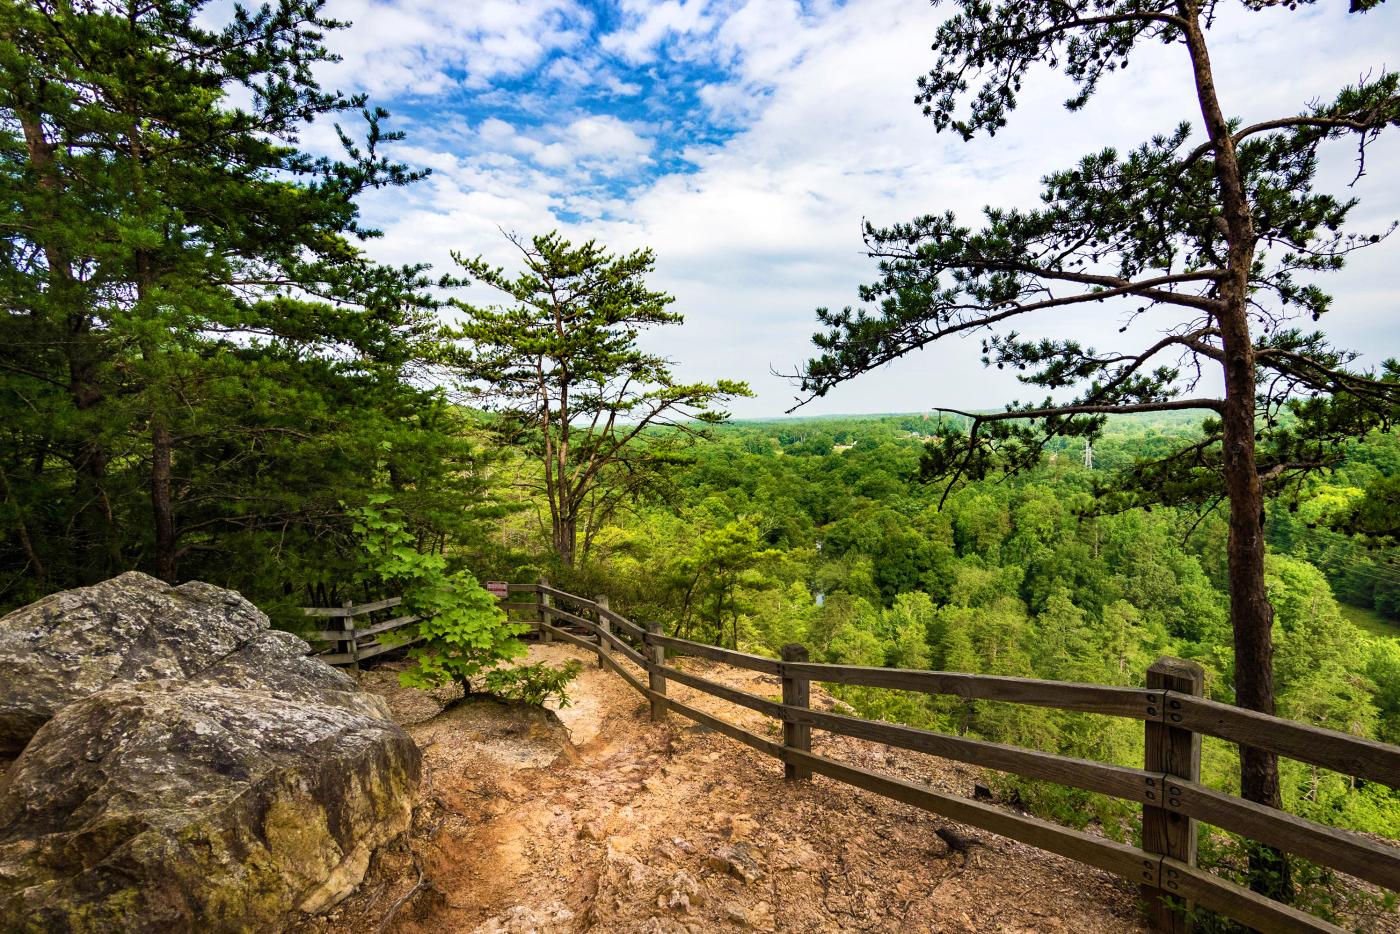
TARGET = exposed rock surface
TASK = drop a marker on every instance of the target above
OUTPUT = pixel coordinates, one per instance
(135, 628)
(277, 663)
(196, 771)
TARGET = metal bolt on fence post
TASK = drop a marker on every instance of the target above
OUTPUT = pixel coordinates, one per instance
(1170, 751)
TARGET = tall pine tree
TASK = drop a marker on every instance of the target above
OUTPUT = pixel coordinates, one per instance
(190, 333)
(561, 365)
(1213, 231)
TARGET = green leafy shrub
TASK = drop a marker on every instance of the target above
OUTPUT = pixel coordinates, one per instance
(461, 628)
(534, 684)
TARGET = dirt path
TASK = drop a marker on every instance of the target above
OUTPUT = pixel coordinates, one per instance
(611, 823)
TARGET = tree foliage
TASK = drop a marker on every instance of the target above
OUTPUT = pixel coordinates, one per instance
(1148, 227)
(562, 366)
(461, 630)
(1015, 577)
(534, 684)
(1210, 235)
(197, 361)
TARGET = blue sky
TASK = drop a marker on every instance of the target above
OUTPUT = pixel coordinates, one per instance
(581, 95)
(744, 140)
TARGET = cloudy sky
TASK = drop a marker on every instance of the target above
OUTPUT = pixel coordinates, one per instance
(744, 140)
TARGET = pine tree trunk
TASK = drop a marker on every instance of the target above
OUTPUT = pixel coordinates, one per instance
(1251, 613)
(565, 539)
(162, 506)
(96, 551)
(36, 564)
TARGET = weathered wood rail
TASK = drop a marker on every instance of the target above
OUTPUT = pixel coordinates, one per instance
(354, 644)
(1168, 786)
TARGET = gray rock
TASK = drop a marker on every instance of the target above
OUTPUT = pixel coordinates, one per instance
(277, 663)
(128, 629)
(164, 806)
(134, 628)
(186, 767)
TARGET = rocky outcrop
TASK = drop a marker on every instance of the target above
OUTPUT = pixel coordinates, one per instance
(131, 628)
(188, 769)
(277, 663)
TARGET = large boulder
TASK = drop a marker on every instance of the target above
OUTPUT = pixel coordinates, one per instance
(167, 807)
(278, 663)
(194, 772)
(135, 628)
(131, 628)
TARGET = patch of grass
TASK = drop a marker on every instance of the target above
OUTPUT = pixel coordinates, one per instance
(1371, 622)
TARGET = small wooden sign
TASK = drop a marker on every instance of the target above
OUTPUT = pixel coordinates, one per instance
(498, 589)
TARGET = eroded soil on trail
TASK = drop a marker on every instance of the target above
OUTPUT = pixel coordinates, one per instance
(597, 819)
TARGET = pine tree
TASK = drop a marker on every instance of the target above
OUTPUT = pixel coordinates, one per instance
(561, 366)
(187, 313)
(1216, 231)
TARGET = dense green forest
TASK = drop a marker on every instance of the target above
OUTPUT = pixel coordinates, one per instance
(818, 531)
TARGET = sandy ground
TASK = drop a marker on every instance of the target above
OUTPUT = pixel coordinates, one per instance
(593, 818)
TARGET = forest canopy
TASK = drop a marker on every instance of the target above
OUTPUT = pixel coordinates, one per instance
(818, 531)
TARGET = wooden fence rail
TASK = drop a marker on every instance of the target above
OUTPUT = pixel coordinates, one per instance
(354, 643)
(1168, 786)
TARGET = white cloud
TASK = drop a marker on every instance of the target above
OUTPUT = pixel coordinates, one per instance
(766, 226)
(427, 47)
(650, 24)
(603, 143)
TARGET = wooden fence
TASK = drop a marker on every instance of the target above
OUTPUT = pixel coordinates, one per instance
(1168, 787)
(354, 644)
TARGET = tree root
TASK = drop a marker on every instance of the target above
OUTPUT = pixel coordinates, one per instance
(403, 899)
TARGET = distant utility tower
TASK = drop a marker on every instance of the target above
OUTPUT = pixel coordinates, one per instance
(1088, 455)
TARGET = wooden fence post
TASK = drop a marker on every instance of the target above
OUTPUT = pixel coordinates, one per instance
(1172, 752)
(545, 620)
(797, 692)
(605, 627)
(352, 643)
(656, 681)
